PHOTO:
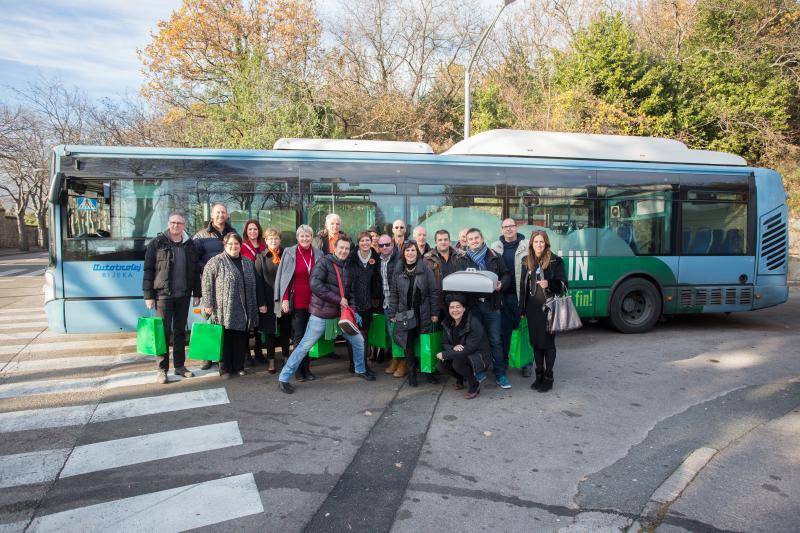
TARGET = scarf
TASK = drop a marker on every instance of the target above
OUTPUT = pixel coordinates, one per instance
(276, 254)
(479, 257)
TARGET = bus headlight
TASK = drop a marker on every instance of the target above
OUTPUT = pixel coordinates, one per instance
(49, 287)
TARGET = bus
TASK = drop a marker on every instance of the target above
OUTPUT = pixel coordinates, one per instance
(647, 227)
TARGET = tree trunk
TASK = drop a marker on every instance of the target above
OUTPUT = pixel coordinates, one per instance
(44, 235)
(23, 233)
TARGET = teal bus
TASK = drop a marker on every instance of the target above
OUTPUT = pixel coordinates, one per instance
(647, 226)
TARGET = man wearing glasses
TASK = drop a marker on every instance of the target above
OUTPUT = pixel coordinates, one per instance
(399, 233)
(512, 246)
(389, 255)
(169, 280)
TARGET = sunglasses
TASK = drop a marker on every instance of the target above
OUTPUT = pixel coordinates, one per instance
(384, 245)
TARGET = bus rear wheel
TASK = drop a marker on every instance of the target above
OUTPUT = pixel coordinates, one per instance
(635, 306)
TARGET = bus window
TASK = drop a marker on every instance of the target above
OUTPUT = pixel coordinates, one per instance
(636, 223)
(712, 227)
(110, 219)
(360, 206)
(566, 214)
(454, 208)
(270, 201)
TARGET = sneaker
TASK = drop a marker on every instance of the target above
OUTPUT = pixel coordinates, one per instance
(161, 377)
(184, 372)
(502, 382)
(367, 375)
(285, 388)
(481, 377)
(206, 365)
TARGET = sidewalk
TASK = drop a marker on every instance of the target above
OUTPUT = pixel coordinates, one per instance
(753, 485)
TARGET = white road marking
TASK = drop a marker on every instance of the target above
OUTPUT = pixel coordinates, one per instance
(153, 447)
(12, 271)
(44, 466)
(126, 379)
(200, 504)
(32, 467)
(26, 310)
(58, 363)
(34, 274)
(50, 347)
(82, 414)
(24, 325)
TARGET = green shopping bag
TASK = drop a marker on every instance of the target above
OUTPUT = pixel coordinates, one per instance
(321, 348)
(205, 343)
(377, 336)
(520, 353)
(331, 329)
(426, 347)
(150, 338)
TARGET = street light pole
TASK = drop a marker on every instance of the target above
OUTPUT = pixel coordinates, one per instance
(467, 72)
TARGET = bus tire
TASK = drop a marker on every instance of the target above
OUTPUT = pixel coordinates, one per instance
(635, 306)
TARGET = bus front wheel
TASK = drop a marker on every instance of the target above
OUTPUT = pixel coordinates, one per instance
(635, 306)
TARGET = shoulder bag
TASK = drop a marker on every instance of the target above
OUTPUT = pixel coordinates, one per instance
(561, 313)
(347, 319)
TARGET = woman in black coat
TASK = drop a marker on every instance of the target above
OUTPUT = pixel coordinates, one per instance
(465, 346)
(414, 288)
(542, 276)
(365, 286)
(266, 266)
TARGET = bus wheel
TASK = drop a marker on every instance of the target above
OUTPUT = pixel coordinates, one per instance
(635, 306)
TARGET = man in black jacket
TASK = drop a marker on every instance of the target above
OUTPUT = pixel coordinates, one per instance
(444, 260)
(209, 239)
(487, 308)
(326, 303)
(209, 242)
(169, 280)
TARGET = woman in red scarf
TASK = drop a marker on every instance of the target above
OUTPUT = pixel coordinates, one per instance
(254, 242)
(252, 245)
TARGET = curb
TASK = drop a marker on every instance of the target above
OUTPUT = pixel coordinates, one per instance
(675, 484)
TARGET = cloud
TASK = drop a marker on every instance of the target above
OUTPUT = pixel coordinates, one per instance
(87, 43)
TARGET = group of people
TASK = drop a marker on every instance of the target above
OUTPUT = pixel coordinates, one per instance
(251, 285)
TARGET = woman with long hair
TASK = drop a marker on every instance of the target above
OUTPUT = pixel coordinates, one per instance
(542, 276)
(252, 245)
(414, 292)
(274, 328)
(292, 296)
(253, 240)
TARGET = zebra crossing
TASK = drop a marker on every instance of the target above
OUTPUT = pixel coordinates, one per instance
(123, 437)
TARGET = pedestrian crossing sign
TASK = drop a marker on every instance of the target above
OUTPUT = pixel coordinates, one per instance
(87, 204)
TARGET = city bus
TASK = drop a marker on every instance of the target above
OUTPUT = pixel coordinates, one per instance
(647, 227)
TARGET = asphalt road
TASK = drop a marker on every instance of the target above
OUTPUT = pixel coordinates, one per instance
(692, 427)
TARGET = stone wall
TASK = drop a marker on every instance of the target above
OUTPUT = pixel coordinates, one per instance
(794, 249)
(9, 238)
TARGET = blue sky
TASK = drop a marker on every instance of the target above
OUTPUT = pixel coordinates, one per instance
(87, 43)
(90, 44)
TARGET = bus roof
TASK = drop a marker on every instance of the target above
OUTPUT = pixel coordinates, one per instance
(553, 144)
(384, 157)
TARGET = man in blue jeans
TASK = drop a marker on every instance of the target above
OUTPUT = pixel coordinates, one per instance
(512, 246)
(487, 308)
(326, 302)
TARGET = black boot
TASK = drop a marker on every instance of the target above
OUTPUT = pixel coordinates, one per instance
(549, 362)
(249, 361)
(539, 378)
(412, 377)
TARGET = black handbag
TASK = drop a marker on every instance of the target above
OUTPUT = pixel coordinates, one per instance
(405, 321)
(477, 362)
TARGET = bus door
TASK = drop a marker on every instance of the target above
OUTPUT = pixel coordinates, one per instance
(717, 263)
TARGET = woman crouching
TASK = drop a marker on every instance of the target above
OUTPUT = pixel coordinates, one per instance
(465, 346)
